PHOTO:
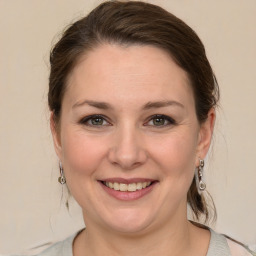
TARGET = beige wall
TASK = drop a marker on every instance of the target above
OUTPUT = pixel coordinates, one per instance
(32, 212)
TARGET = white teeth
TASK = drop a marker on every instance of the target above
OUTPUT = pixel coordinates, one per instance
(132, 187)
(116, 186)
(139, 186)
(123, 187)
(111, 185)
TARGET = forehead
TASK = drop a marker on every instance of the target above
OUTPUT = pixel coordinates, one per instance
(131, 72)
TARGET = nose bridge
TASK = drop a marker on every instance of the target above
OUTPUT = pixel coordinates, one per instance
(127, 149)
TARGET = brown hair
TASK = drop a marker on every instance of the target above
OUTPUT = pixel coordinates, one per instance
(137, 23)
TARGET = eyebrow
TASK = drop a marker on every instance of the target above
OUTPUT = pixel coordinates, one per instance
(96, 104)
(149, 105)
(160, 104)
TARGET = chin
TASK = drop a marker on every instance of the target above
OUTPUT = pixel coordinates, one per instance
(130, 227)
(129, 221)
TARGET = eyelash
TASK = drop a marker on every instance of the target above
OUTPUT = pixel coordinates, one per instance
(170, 120)
(85, 120)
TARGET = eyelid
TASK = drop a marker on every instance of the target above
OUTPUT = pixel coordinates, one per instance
(84, 120)
(168, 118)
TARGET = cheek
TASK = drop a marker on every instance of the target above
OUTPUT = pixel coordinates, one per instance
(176, 154)
(81, 153)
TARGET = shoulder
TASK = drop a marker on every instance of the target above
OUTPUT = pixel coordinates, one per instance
(221, 245)
(62, 248)
(238, 250)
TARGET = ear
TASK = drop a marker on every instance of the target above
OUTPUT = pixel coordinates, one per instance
(205, 134)
(56, 136)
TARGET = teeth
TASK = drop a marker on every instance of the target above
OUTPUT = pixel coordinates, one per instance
(123, 187)
(139, 186)
(116, 186)
(132, 187)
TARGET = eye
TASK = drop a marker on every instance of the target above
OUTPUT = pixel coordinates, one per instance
(95, 120)
(161, 120)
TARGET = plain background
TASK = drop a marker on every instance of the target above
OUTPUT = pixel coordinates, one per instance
(32, 202)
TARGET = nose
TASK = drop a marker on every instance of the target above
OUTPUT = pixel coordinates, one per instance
(127, 148)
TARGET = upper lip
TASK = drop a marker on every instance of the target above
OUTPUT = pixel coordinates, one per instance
(127, 181)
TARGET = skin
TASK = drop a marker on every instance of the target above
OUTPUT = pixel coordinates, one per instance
(129, 143)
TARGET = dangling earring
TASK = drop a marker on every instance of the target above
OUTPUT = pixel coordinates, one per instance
(61, 179)
(200, 169)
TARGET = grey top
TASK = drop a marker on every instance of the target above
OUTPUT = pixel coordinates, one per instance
(219, 246)
(62, 248)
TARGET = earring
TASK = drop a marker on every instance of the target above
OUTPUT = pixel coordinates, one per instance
(200, 168)
(61, 179)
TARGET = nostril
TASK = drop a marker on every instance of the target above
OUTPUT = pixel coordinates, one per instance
(127, 158)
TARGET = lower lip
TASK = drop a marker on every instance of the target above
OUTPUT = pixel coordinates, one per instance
(128, 196)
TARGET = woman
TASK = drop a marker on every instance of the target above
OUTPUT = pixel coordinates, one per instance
(132, 99)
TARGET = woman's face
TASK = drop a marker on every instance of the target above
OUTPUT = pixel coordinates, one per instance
(129, 137)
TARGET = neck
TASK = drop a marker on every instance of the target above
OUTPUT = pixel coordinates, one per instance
(175, 237)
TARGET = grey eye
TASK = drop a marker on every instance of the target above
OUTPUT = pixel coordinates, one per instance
(97, 121)
(94, 120)
(159, 121)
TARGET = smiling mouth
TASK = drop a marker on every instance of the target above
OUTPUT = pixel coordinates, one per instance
(131, 187)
